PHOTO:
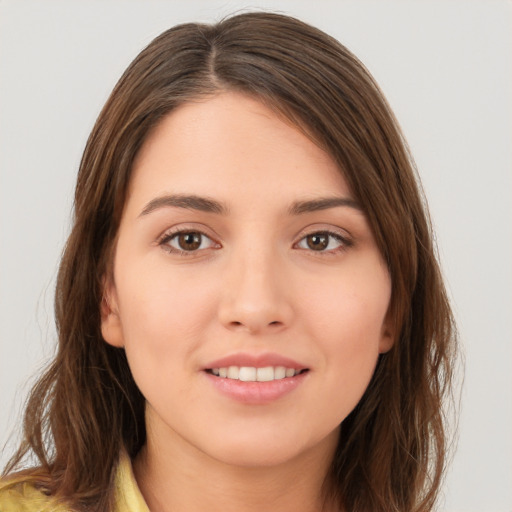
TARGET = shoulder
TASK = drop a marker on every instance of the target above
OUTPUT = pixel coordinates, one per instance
(19, 495)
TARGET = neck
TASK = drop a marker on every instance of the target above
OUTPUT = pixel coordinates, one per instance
(177, 477)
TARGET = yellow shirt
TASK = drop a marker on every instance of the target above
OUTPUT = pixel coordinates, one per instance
(23, 497)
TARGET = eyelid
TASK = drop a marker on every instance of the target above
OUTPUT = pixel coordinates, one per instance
(173, 231)
(345, 239)
(342, 236)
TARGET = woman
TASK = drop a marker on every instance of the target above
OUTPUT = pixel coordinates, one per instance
(249, 307)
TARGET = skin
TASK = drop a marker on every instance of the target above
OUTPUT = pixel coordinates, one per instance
(255, 286)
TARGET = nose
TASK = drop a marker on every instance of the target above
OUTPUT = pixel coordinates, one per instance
(255, 298)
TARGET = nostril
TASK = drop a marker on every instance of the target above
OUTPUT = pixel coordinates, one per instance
(254, 327)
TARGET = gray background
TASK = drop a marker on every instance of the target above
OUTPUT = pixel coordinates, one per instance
(445, 67)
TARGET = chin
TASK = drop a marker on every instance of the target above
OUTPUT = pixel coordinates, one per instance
(254, 456)
(272, 450)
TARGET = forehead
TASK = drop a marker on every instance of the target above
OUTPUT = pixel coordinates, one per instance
(232, 146)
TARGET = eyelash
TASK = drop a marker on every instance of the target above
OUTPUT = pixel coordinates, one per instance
(344, 241)
(170, 235)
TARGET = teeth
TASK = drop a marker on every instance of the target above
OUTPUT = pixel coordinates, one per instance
(247, 374)
(290, 372)
(233, 372)
(279, 372)
(265, 374)
(251, 374)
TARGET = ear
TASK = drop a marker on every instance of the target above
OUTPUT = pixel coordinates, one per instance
(388, 334)
(111, 328)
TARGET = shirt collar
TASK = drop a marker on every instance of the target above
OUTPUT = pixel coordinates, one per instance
(128, 497)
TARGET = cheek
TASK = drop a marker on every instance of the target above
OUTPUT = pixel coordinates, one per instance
(351, 340)
(347, 320)
(165, 317)
(349, 306)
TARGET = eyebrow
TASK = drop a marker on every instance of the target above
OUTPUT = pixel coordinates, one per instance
(208, 205)
(189, 202)
(323, 203)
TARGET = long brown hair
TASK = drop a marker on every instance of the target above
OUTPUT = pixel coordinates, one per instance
(86, 408)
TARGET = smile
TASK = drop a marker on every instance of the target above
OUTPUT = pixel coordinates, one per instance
(256, 379)
(253, 374)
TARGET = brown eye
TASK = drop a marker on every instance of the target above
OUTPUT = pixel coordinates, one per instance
(323, 241)
(318, 241)
(188, 241)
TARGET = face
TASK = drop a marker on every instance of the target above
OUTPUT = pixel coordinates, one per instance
(247, 288)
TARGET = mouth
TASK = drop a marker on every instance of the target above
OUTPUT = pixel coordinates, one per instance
(256, 379)
(255, 374)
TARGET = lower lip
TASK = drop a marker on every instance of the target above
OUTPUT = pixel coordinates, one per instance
(255, 393)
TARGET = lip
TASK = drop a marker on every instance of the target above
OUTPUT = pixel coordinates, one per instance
(255, 393)
(255, 361)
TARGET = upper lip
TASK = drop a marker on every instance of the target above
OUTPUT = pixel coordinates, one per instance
(255, 361)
